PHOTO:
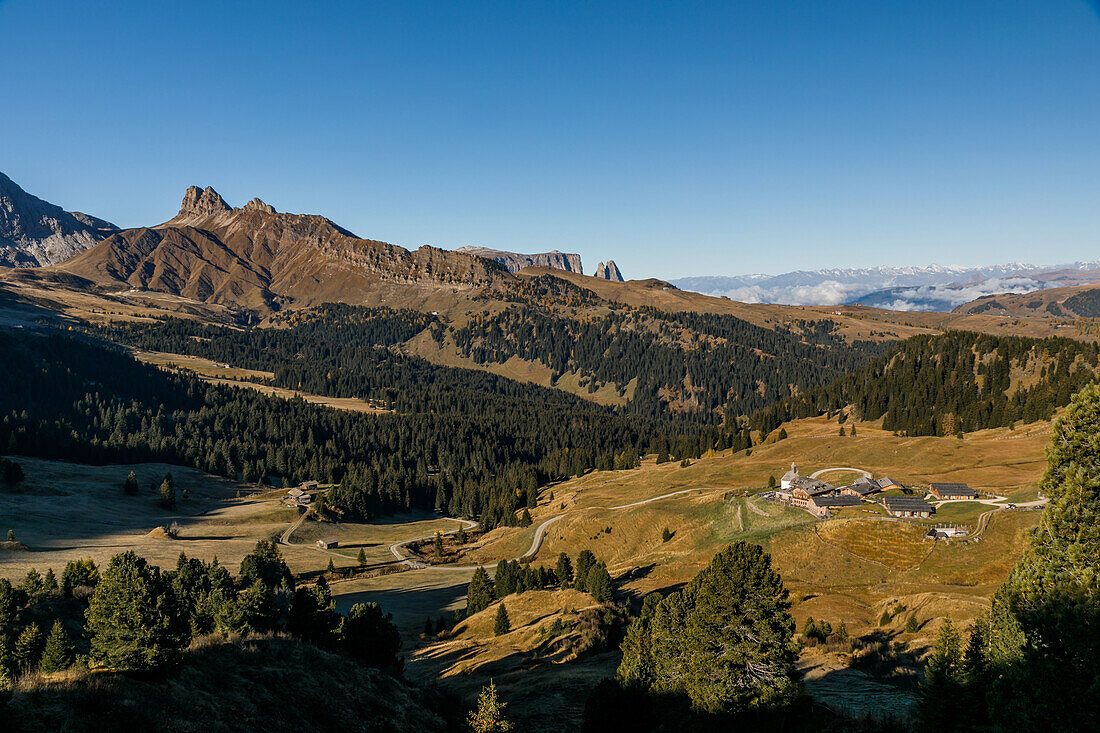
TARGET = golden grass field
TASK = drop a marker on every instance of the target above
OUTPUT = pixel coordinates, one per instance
(847, 569)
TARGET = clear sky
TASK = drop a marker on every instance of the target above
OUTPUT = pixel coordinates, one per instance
(677, 138)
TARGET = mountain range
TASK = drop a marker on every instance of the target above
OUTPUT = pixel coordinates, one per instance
(931, 288)
(34, 232)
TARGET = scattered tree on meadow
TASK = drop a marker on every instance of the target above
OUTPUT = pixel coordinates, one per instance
(941, 688)
(370, 636)
(563, 570)
(911, 625)
(489, 716)
(502, 624)
(130, 485)
(361, 558)
(480, 593)
(437, 546)
(599, 583)
(57, 654)
(11, 535)
(726, 641)
(11, 473)
(167, 492)
(666, 535)
(585, 561)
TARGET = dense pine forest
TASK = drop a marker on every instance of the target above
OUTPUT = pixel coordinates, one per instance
(952, 383)
(708, 366)
(466, 442)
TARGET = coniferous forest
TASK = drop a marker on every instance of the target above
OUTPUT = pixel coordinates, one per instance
(952, 383)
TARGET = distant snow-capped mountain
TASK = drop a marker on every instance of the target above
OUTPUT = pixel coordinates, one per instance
(935, 287)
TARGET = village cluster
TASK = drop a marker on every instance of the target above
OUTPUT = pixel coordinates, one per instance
(821, 498)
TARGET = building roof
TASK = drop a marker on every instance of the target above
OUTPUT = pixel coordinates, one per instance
(864, 487)
(811, 486)
(906, 504)
(842, 500)
(793, 473)
(328, 541)
(295, 492)
(953, 489)
(885, 482)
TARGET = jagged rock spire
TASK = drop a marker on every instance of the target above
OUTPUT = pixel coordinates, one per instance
(200, 202)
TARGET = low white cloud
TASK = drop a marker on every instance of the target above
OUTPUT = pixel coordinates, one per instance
(828, 292)
(915, 298)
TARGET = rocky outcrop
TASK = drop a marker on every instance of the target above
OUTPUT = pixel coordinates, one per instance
(34, 232)
(199, 202)
(610, 271)
(515, 262)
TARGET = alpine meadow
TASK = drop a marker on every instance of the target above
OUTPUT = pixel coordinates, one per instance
(636, 366)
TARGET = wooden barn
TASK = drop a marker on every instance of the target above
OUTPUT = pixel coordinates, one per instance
(907, 506)
(953, 491)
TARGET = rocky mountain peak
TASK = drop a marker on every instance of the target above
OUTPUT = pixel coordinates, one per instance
(257, 205)
(34, 232)
(610, 271)
(202, 202)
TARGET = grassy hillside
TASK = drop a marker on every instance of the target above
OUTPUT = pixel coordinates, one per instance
(257, 683)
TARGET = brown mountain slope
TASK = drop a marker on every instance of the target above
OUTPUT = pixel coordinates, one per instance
(1081, 301)
(254, 257)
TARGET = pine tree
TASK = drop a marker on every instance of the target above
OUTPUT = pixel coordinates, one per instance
(361, 558)
(502, 625)
(1043, 642)
(167, 493)
(727, 639)
(480, 593)
(28, 648)
(585, 561)
(7, 666)
(130, 485)
(11, 535)
(525, 519)
(489, 716)
(437, 546)
(911, 626)
(599, 583)
(130, 619)
(666, 535)
(941, 688)
(563, 570)
(58, 652)
(49, 582)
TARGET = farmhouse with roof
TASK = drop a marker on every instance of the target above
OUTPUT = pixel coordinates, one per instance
(953, 491)
(907, 506)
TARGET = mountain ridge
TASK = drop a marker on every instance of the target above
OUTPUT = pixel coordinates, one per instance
(35, 232)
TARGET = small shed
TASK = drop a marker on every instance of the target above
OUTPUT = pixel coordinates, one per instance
(953, 491)
(907, 506)
(328, 543)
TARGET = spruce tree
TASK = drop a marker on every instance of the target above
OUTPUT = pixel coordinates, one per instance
(489, 716)
(502, 624)
(563, 570)
(599, 583)
(28, 648)
(727, 639)
(1044, 648)
(361, 558)
(130, 485)
(940, 692)
(585, 561)
(167, 493)
(437, 546)
(480, 593)
(130, 618)
(58, 652)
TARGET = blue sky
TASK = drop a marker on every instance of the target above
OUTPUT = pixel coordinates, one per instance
(675, 138)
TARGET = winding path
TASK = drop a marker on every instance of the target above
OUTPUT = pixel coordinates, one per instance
(860, 471)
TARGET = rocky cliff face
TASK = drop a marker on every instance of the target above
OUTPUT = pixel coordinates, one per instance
(515, 262)
(610, 271)
(34, 232)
